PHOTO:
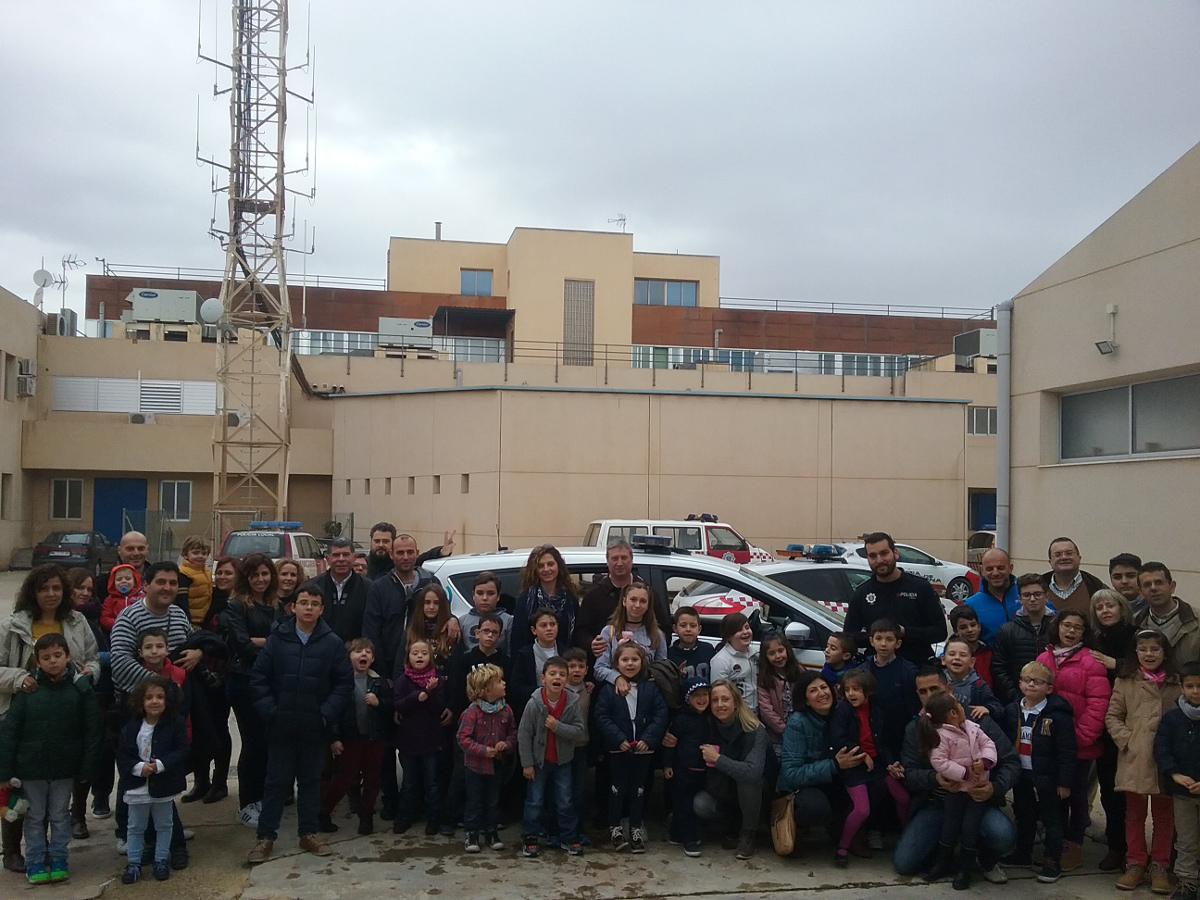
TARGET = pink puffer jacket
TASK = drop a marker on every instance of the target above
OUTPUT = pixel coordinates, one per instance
(1082, 681)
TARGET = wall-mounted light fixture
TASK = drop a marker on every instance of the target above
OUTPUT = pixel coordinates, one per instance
(1109, 347)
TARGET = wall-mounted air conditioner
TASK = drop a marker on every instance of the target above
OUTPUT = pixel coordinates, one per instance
(140, 418)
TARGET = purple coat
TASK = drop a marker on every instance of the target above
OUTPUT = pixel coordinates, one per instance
(420, 731)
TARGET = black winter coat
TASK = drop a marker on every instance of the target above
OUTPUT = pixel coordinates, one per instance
(168, 744)
(617, 726)
(238, 623)
(379, 718)
(691, 729)
(1177, 749)
(386, 618)
(920, 780)
(301, 690)
(843, 730)
(1052, 741)
(346, 617)
(1017, 643)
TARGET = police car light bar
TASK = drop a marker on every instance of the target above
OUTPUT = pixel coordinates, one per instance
(276, 526)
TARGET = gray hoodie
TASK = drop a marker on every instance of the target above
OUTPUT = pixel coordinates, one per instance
(531, 735)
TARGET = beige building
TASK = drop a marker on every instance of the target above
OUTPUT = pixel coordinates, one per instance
(1106, 439)
(18, 361)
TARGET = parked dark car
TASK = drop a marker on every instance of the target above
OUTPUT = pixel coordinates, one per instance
(87, 549)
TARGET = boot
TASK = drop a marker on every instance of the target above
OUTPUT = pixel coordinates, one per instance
(220, 777)
(966, 867)
(943, 863)
(10, 838)
(366, 824)
(200, 786)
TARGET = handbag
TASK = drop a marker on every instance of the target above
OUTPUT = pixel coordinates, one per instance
(783, 824)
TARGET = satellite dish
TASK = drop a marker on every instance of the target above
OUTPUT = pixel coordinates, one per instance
(42, 278)
(211, 310)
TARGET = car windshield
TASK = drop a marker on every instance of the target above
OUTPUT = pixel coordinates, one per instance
(68, 537)
(768, 586)
(240, 543)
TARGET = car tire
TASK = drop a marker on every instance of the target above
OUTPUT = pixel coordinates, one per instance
(959, 589)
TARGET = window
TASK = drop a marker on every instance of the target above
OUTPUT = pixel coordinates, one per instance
(656, 292)
(412, 485)
(464, 484)
(66, 498)
(687, 538)
(981, 420)
(913, 557)
(6, 501)
(1151, 417)
(175, 500)
(579, 314)
(475, 282)
(9, 375)
(437, 484)
(366, 487)
(387, 486)
(723, 539)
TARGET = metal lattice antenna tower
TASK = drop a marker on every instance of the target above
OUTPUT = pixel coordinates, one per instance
(251, 442)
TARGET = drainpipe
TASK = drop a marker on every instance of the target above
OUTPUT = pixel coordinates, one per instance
(1004, 313)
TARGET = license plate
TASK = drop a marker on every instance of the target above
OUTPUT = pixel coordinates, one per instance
(59, 553)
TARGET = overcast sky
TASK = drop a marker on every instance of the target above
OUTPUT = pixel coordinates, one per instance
(896, 152)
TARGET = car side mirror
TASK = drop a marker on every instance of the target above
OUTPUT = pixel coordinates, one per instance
(797, 632)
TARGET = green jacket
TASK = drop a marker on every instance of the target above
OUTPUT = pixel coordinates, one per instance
(53, 732)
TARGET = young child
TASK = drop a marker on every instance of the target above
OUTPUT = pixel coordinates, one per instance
(152, 761)
(1081, 680)
(632, 723)
(49, 737)
(486, 730)
(964, 622)
(359, 739)
(195, 552)
(488, 637)
(1146, 687)
(1041, 727)
(485, 598)
(124, 589)
(684, 766)
(692, 655)
(895, 685)
(301, 683)
(1177, 754)
(965, 682)
(531, 659)
(420, 700)
(958, 750)
(431, 611)
(152, 653)
(581, 689)
(733, 662)
(550, 726)
(632, 620)
(841, 655)
(777, 672)
(858, 722)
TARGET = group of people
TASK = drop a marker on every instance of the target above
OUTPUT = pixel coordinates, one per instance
(129, 681)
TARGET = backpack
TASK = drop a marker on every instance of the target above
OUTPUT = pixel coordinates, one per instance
(669, 681)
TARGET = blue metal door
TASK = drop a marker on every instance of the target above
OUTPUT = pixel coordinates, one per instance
(111, 497)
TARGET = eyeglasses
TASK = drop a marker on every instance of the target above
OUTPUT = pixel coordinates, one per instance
(1033, 595)
(1036, 682)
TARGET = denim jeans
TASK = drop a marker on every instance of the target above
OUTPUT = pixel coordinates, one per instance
(49, 803)
(420, 771)
(559, 774)
(997, 835)
(299, 763)
(482, 811)
(162, 812)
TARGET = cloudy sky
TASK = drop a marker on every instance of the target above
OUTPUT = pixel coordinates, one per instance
(933, 153)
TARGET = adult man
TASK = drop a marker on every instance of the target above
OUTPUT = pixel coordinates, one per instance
(344, 591)
(390, 604)
(380, 561)
(600, 600)
(1167, 613)
(1069, 586)
(997, 834)
(996, 602)
(1020, 641)
(132, 550)
(1123, 576)
(892, 593)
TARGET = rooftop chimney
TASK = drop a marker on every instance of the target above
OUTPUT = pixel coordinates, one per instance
(437, 231)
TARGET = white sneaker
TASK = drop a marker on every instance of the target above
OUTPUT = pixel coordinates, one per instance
(996, 875)
(121, 846)
(874, 840)
(188, 834)
(248, 815)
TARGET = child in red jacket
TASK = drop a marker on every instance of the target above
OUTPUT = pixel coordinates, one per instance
(124, 589)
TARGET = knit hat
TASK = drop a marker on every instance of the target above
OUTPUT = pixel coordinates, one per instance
(692, 685)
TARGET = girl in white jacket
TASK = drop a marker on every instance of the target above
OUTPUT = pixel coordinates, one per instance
(733, 661)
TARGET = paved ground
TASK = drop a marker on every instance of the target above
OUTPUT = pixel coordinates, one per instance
(414, 866)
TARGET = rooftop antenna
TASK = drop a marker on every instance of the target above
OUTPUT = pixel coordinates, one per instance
(619, 220)
(43, 278)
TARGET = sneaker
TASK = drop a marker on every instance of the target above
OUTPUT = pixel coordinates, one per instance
(637, 840)
(617, 835)
(162, 871)
(79, 831)
(551, 840)
(58, 870)
(996, 875)
(101, 810)
(492, 839)
(446, 831)
(131, 874)
(529, 848)
(583, 839)
(874, 840)
(1184, 891)
(692, 849)
(471, 844)
(1049, 872)
(188, 834)
(745, 847)
(179, 858)
(261, 851)
(573, 848)
(315, 844)
(121, 846)
(37, 873)
(248, 815)
(841, 859)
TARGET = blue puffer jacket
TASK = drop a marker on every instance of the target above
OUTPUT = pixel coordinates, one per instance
(301, 689)
(807, 759)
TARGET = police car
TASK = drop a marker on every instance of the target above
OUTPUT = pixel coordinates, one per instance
(278, 540)
(701, 534)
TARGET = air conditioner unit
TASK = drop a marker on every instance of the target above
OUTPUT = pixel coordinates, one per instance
(239, 419)
(25, 367)
(68, 322)
(980, 342)
(26, 385)
(140, 418)
(154, 305)
(395, 332)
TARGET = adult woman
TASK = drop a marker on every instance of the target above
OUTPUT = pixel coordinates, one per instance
(809, 765)
(43, 606)
(245, 624)
(80, 585)
(1113, 629)
(735, 781)
(291, 573)
(545, 581)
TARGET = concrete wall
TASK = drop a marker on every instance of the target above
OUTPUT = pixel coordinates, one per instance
(18, 340)
(1145, 259)
(421, 265)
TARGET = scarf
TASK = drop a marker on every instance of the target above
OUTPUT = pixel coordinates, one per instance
(1169, 625)
(491, 707)
(1062, 654)
(1157, 677)
(422, 678)
(1192, 712)
(560, 603)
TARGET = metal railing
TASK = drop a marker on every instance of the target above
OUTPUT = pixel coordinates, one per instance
(864, 309)
(295, 280)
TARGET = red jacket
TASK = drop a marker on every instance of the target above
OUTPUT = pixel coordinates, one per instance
(115, 602)
(1083, 682)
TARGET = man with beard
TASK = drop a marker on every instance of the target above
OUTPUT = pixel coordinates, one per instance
(379, 562)
(892, 593)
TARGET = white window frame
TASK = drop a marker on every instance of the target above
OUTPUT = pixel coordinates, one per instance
(66, 485)
(174, 510)
(1132, 454)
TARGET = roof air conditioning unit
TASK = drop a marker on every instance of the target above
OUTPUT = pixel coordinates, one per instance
(26, 385)
(68, 322)
(980, 342)
(25, 367)
(155, 305)
(140, 418)
(239, 419)
(395, 332)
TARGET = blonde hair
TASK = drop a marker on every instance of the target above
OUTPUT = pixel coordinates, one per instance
(1039, 670)
(478, 680)
(1115, 597)
(747, 719)
(194, 542)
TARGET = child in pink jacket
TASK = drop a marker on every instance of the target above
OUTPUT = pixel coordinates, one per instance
(1081, 680)
(957, 749)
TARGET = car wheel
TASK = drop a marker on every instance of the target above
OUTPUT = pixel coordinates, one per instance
(959, 589)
